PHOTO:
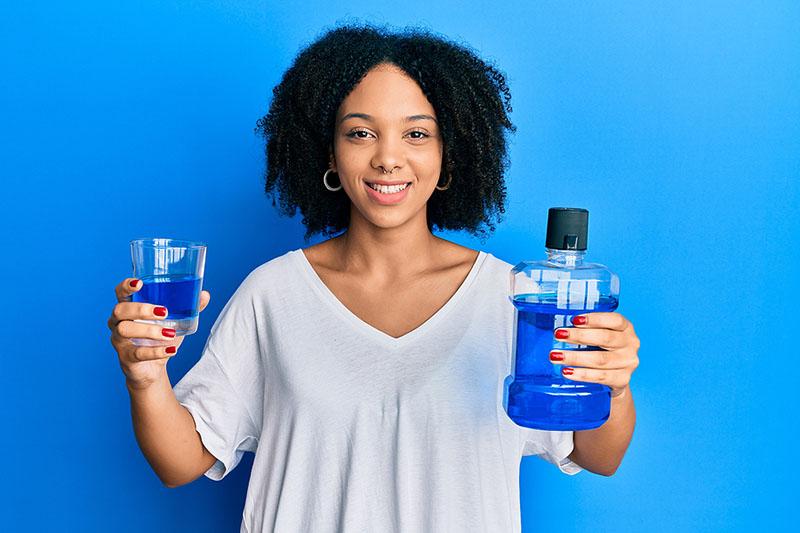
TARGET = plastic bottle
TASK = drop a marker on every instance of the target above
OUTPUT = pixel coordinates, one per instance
(546, 295)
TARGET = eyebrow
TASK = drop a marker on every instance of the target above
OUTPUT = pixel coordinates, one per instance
(371, 119)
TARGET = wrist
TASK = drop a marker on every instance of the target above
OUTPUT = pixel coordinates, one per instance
(144, 386)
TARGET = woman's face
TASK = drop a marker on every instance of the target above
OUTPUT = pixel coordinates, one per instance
(386, 133)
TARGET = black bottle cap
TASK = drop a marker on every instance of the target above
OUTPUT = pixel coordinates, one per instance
(567, 228)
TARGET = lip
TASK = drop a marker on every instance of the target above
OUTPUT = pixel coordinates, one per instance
(381, 182)
(387, 199)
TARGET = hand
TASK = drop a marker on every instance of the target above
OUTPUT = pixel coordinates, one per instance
(142, 365)
(611, 366)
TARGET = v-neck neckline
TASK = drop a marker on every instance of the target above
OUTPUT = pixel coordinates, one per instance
(360, 325)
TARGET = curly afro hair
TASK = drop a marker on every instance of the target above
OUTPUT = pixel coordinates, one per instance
(470, 98)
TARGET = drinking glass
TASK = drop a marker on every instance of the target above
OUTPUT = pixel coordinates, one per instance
(171, 271)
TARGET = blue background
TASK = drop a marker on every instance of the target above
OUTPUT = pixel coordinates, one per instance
(677, 124)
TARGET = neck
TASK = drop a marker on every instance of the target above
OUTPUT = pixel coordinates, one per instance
(565, 258)
(387, 254)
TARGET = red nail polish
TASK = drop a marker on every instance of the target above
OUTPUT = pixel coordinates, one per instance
(556, 356)
(133, 283)
(168, 332)
(567, 371)
(579, 320)
(562, 334)
(171, 349)
(160, 311)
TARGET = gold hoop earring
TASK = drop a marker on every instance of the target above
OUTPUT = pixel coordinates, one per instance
(449, 180)
(325, 181)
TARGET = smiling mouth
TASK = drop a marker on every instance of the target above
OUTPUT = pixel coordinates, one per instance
(388, 189)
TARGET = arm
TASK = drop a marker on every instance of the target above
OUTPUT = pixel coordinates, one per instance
(164, 429)
(166, 434)
(601, 450)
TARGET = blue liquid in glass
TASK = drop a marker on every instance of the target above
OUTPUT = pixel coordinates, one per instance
(179, 294)
(537, 395)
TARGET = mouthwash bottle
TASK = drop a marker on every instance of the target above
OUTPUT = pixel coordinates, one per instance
(546, 295)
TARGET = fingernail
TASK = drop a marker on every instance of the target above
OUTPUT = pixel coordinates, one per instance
(133, 283)
(579, 320)
(556, 356)
(567, 371)
(168, 332)
(171, 349)
(160, 311)
(562, 334)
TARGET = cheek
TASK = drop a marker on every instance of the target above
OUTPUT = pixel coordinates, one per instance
(426, 163)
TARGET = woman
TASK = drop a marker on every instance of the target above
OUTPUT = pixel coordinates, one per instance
(366, 371)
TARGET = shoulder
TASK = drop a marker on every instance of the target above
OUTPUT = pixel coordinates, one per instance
(496, 265)
(277, 272)
(281, 263)
(466, 254)
(492, 273)
(454, 257)
(463, 258)
(497, 262)
(321, 255)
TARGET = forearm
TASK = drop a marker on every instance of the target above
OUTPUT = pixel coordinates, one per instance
(601, 450)
(166, 433)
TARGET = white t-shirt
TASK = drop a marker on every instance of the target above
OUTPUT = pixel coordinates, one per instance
(354, 430)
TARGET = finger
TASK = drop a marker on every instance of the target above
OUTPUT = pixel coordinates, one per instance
(205, 297)
(615, 379)
(136, 330)
(136, 310)
(126, 288)
(601, 359)
(603, 338)
(614, 321)
(151, 353)
(121, 343)
(124, 346)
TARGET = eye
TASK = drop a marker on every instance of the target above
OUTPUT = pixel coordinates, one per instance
(422, 134)
(357, 134)
(354, 134)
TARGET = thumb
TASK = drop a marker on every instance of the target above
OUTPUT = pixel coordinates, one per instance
(205, 297)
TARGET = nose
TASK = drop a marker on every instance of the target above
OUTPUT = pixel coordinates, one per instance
(388, 155)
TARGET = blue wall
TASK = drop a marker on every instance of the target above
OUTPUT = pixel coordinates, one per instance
(677, 124)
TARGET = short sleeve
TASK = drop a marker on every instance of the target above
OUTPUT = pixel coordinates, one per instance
(224, 390)
(552, 446)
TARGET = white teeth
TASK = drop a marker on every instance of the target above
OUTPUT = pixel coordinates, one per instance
(388, 189)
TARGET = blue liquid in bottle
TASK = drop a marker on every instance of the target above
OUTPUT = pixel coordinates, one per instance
(537, 395)
(180, 294)
(547, 295)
